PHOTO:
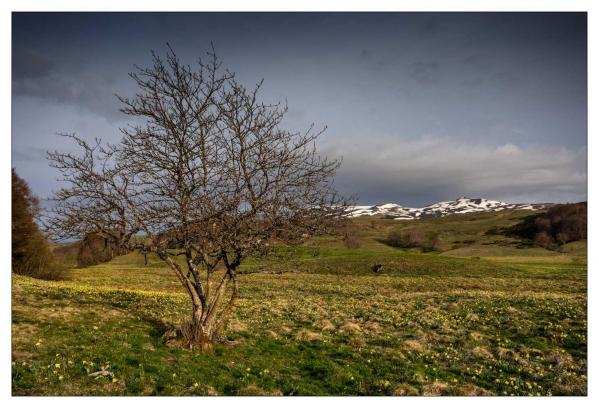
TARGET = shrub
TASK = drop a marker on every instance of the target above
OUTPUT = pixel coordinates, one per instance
(347, 231)
(434, 242)
(66, 253)
(561, 224)
(543, 239)
(406, 239)
(351, 241)
(414, 239)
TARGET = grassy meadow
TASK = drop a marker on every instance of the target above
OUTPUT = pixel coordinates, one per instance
(489, 314)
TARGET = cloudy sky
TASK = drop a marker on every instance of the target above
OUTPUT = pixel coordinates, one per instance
(423, 107)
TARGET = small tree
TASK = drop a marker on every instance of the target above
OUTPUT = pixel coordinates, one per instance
(25, 207)
(31, 254)
(207, 175)
(350, 238)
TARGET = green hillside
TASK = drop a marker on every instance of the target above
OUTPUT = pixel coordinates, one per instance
(487, 315)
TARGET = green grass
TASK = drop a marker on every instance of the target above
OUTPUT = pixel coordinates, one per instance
(465, 235)
(322, 324)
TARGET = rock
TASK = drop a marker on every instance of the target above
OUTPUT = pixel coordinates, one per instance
(376, 268)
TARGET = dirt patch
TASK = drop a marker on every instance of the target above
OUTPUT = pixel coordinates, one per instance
(412, 345)
(18, 355)
(435, 389)
(472, 317)
(149, 347)
(236, 326)
(482, 352)
(405, 390)
(472, 390)
(513, 310)
(325, 326)
(254, 390)
(357, 341)
(503, 352)
(351, 327)
(307, 335)
(559, 359)
(476, 336)
(373, 327)
(271, 334)
(23, 331)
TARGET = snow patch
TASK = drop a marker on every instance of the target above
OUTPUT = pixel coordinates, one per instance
(461, 205)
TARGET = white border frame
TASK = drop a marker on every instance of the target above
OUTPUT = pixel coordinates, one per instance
(8, 6)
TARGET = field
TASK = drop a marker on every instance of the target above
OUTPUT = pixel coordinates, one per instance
(488, 315)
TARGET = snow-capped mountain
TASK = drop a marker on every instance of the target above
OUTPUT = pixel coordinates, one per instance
(460, 205)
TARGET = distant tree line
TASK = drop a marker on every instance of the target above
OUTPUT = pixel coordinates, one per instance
(94, 249)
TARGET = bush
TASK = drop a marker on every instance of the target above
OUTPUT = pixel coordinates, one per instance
(434, 242)
(414, 239)
(40, 262)
(347, 232)
(405, 239)
(66, 253)
(31, 253)
(351, 241)
(543, 239)
(561, 224)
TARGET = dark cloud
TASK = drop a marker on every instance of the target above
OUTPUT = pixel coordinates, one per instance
(425, 72)
(477, 60)
(430, 26)
(29, 64)
(376, 79)
(472, 83)
(31, 154)
(91, 92)
(430, 169)
(365, 55)
(505, 79)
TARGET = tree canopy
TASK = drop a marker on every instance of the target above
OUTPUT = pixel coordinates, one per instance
(207, 172)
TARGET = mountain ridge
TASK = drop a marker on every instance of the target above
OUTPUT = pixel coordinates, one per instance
(461, 205)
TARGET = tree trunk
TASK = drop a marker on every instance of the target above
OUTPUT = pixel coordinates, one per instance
(208, 318)
(205, 328)
(199, 336)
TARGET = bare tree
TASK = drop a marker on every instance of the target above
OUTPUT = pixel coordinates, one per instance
(208, 178)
